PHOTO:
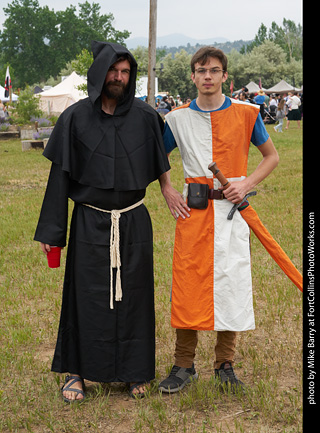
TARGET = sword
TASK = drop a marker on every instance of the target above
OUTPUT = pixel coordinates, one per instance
(225, 183)
(255, 224)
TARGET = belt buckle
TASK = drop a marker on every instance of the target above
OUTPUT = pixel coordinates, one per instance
(221, 195)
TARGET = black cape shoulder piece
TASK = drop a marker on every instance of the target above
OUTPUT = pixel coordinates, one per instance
(123, 151)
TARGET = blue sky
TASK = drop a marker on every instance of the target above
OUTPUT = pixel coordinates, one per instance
(201, 19)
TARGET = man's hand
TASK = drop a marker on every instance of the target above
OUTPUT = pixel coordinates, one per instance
(176, 204)
(45, 248)
(236, 191)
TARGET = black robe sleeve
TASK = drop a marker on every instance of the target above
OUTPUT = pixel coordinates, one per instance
(53, 220)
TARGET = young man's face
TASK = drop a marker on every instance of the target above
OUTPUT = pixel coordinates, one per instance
(117, 80)
(208, 78)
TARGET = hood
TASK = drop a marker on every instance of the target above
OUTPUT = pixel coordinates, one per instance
(106, 54)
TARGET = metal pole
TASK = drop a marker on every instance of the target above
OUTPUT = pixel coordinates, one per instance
(152, 53)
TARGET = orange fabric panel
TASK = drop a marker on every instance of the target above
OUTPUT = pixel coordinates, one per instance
(230, 126)
(273, 248)
(192, 301)
(201, 179)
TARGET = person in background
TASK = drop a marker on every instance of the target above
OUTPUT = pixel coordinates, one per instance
(260, 99)
(172, 102)
(294, 114)
(243, 97)
(179, 101)
(162, 109)
(2, 110)
(166, 101)
(280, 115)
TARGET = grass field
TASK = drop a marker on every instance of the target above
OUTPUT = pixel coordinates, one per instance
(269, 359)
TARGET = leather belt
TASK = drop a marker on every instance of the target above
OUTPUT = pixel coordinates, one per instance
(215, 194)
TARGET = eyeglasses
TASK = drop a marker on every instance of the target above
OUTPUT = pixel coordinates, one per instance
(212, 71)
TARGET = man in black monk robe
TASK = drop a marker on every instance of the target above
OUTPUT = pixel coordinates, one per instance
(104, 150)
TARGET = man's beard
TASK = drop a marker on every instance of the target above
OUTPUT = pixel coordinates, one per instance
(114, 90)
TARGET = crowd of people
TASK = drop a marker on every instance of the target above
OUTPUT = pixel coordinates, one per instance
(168, 103)
(274, 108)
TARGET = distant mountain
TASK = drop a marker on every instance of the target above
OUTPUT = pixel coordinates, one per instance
(173, 40)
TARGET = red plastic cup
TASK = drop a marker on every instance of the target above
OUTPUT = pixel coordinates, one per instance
(53, 257)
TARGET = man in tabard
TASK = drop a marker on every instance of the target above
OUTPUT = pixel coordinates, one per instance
(211, 278)
(105, 150)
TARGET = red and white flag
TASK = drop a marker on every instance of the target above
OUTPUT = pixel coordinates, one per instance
(7, 84)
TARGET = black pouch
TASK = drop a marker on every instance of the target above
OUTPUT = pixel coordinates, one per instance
(198, 195)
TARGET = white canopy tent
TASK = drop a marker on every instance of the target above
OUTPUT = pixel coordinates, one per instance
(142, 87)
(282, 87)
(61, 96)
(252, 88)
(6, 99)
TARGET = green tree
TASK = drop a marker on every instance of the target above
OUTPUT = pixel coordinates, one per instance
(27, 106)
(176, 76)
(288, 37)
(141, 54)
(98, 27)
(23, 40)
(267, 61)
(82, 62)
(260, 37)
(38, 42)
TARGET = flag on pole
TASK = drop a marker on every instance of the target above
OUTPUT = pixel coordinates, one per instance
(231, 87)
(7, 84)
(260, 85)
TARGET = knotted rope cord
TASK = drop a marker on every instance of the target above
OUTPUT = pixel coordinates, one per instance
(115, 259)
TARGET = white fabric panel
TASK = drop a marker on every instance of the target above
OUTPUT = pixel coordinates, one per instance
(194, 140)
(233, 303)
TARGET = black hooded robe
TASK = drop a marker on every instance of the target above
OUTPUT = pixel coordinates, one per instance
(105, 161)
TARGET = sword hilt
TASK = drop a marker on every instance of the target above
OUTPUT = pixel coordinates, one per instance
(217, 173)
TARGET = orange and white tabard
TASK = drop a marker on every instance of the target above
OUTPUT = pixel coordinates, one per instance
(211, 279)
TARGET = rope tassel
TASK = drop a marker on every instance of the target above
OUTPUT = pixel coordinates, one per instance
(115, 259)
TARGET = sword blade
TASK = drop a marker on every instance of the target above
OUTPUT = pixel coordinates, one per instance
(272, 246)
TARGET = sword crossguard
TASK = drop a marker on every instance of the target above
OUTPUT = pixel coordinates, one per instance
(237, 205)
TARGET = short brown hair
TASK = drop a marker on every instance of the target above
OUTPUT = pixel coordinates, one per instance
(203, 55)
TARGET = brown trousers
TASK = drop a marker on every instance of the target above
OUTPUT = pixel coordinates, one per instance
(186, 344)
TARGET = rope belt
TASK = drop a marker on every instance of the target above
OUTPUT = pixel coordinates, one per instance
(115, 260)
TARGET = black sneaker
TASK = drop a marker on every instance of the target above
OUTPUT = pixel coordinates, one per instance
(178, 378)
(227, 377)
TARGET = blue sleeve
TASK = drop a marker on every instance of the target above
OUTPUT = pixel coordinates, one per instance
(259, 133)
(168, 139)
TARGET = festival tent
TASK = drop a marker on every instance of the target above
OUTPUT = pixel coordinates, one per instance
(252, 88)
(282, 87)
(142, 87)
(6, 99)
(61, 96)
